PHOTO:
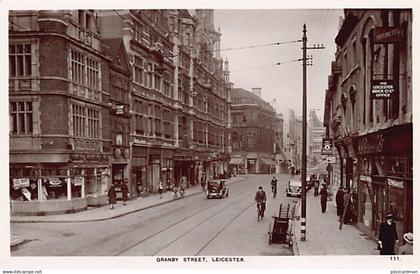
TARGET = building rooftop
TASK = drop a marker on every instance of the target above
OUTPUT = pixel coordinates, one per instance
(240, 93)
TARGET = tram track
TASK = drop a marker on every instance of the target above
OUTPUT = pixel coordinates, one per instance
(190, 216)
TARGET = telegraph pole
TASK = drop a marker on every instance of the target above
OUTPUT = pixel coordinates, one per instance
(304, 111)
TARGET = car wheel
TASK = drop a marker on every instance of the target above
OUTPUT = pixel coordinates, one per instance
(208, 196)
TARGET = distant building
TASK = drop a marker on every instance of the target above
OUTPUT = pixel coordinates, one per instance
(280, 157)
(316, 132)
(254, 141)
(293, 145)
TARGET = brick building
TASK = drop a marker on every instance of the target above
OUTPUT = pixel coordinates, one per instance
(58, 96)
(152, 96)
(135, 94)
(373, 137)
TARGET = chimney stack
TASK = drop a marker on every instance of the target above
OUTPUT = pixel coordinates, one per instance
(257, 91)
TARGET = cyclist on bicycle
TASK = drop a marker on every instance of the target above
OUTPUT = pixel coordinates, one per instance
(260, 198)
(274, 186)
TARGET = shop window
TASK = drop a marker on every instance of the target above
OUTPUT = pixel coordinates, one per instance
(366, 204)
(396, 203)
(54, 188)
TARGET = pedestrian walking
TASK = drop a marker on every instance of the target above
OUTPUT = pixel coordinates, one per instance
(348, 208)
(339, 200)
(316, 188)
(112, 196)
(388, 237)
(160, 187)
(407, 248)
(324, 197)
(124, 190)
(183, 184)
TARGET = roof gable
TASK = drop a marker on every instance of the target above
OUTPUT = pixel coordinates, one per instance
(115, 49)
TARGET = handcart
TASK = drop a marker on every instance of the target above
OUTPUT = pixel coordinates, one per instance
(280, 230)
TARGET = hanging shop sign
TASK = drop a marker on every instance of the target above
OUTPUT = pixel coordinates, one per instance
(366, 178)
(383, 89)
(119, 109)
(331, 160)
(78, 180)
(385, 35)
(126, 153)
(327, 146)
(21, 182)
(54, 181)
(395, 183)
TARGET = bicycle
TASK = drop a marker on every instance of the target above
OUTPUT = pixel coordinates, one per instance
(274, 190)
(260, 211)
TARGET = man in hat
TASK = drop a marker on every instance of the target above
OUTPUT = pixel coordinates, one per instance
(339, 200)
(407, 249)
(388, 237)
(324, 197)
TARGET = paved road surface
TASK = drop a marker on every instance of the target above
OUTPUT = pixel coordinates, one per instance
(191, 226)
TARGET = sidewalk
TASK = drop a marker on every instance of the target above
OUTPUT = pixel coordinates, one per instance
(15, 240)
(104, 213)
(323, 236)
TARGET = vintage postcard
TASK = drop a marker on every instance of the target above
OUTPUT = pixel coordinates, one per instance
(215, 136)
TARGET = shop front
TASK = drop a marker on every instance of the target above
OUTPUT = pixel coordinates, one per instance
(236, 164)
(184, 165)
(139, 162)
(154, 169)
(167, 165)
(385, 181)
(60, 187)
(120, 168)
(267, 165)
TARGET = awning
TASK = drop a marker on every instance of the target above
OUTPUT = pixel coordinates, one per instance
(236, 161)
(267, 161)
(320, 168)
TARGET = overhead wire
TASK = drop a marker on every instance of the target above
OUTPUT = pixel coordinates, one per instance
(226, 49)
(249, 47)
(270, 65)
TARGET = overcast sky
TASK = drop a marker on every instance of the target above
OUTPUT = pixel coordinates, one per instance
(257, 27)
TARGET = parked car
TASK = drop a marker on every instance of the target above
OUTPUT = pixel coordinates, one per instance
(294, 188)
(216, 188)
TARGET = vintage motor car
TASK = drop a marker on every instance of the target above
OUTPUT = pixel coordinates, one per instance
(216, 188)
(294, 188)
